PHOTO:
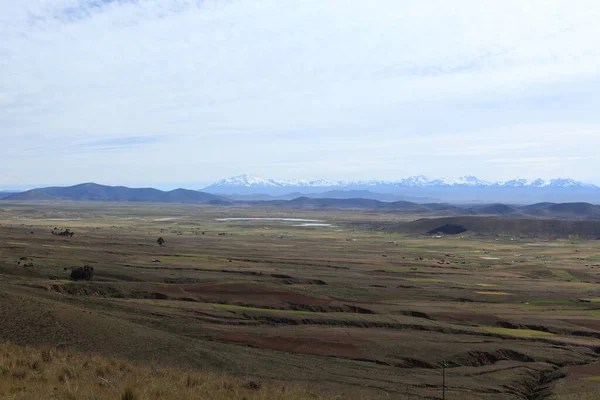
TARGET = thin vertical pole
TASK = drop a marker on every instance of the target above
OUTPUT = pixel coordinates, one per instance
(444, 381)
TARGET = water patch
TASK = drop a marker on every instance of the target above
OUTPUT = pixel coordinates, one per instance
(300, 222)
(60, 219)
(269, 219)
(314, 224)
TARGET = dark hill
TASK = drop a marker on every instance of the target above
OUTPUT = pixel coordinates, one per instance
(358, 203)
(4, 194)
(448, 229)
(492, 225)
(575, 208)
(563, 210)
(494, 209)
(95, 192)
(537, 206)
(445, 207)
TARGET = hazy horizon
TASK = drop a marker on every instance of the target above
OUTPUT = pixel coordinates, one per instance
(202, 185)
(182, 93)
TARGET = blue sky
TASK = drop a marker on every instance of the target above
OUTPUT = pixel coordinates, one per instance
(181, 92)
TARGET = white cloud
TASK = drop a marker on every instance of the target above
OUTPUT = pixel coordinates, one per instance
(298, 89)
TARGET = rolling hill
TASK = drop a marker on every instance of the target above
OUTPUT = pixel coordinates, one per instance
(96, 192)
(4, 194)
(359, 203)
(492, 225)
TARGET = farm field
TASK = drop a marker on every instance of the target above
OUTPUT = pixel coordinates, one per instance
(313, 299)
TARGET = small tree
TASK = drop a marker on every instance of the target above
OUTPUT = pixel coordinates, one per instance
(82, 273)
(160, 241)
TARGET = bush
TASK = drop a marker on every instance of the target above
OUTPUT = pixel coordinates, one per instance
(82, 273)
(254, 385)
(128, 395)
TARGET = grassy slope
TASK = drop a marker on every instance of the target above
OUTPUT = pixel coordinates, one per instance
(34, 373)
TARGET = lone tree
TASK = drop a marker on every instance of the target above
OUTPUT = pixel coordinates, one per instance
(66, 232)
(82, 273)
(160, 241)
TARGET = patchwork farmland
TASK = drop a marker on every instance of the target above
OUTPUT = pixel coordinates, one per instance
(330, 308)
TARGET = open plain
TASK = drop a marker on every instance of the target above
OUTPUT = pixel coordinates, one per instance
(319, 299)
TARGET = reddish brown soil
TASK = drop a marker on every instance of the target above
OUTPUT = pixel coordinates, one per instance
(356, 336)
(294, 345)
(578, 372)
(236, 293)
(334, 334)
(466, 317)
(586, 323)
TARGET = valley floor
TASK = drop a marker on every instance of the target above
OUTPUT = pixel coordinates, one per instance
(335, 310)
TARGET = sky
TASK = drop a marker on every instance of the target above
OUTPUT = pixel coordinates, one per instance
(173, 93)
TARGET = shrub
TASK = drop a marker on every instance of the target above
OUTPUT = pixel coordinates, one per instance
(46, 356)
(82, 273)
(128, 395)
(254, 385)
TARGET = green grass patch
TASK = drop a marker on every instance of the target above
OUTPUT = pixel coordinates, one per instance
(562, 274)
(592, 299)
(494, 293)
(554, 301)
(520, 333)
(403, 270)
(423, 279)
(592, 379)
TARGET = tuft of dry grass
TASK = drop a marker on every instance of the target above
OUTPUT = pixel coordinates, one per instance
(29, 372)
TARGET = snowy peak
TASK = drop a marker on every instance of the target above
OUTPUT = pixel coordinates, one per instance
(418, 180)
(468, 180)
(419, 188)
(568, 183)
(541, 183)
(516, 183)
(253, 182)
(245, 181)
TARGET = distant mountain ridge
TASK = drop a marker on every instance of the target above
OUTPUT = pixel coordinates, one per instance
(249, 181)
(464, 189)
(96, 192)
(565, 211)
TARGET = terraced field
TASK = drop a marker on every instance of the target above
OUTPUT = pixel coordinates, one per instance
(352, 311)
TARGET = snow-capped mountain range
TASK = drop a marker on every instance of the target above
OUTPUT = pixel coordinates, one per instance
(466, 188)
(249, 181)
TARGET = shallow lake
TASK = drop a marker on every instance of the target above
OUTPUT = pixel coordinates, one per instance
(300, 222)
(270, 219)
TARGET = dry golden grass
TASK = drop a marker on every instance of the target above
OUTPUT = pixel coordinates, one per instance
(44, 373)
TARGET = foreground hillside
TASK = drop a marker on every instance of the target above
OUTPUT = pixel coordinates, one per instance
(40, 373)
(300, 297)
